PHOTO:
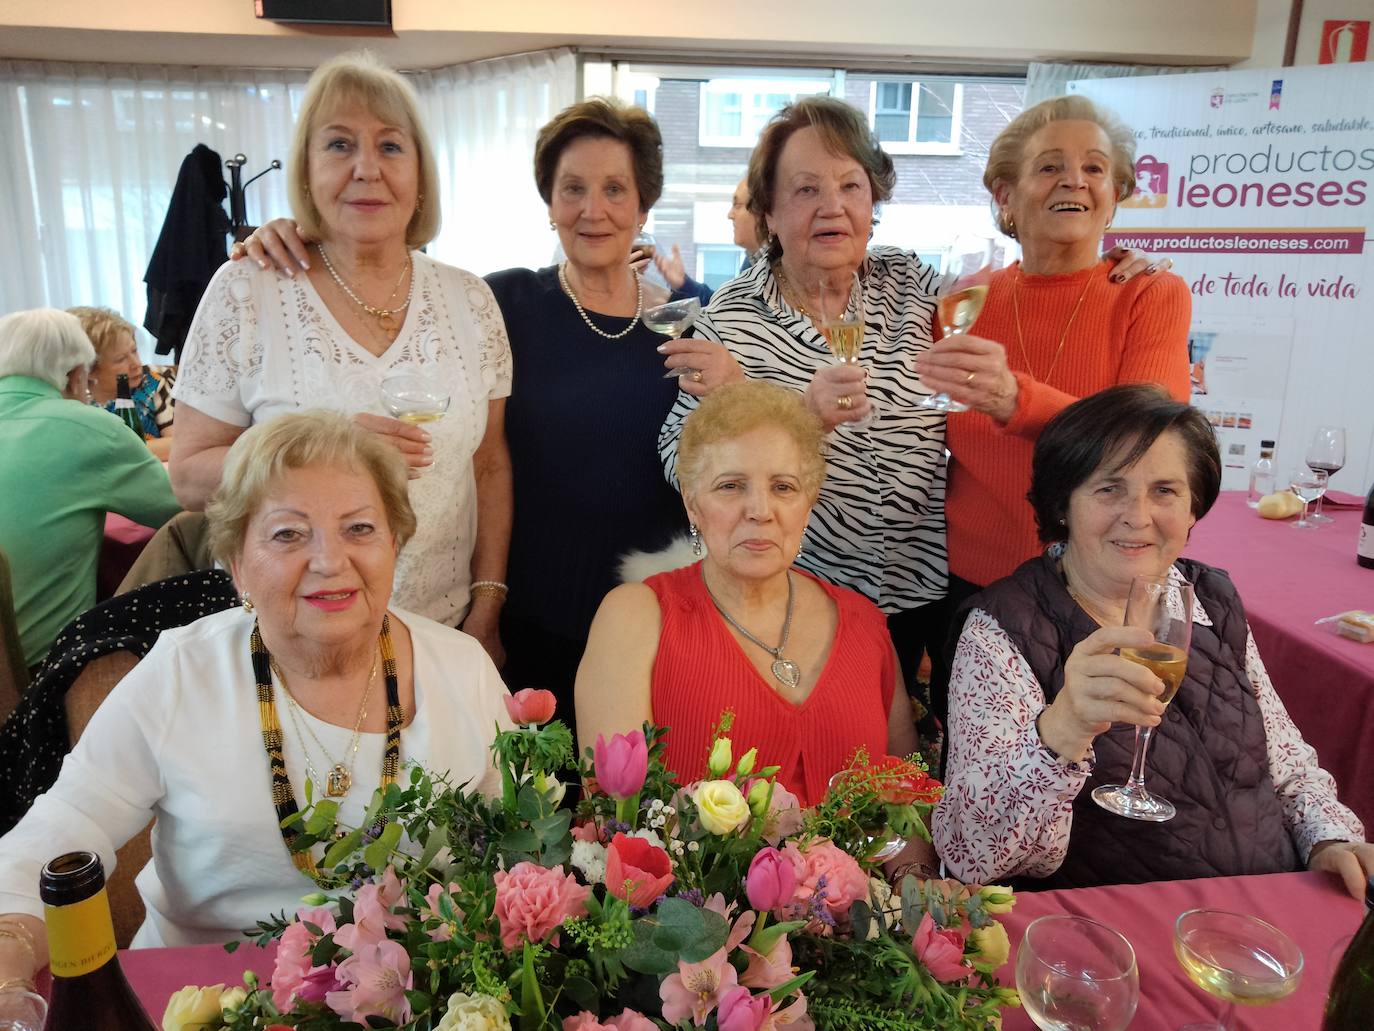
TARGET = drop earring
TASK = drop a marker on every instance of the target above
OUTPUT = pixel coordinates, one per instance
(247, 602)
(697, 548)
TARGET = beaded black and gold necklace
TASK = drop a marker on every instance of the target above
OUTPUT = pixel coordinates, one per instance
(283, 798)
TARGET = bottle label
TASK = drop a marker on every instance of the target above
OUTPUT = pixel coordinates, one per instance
(1365, 548)
(80, 936)
(123, 402)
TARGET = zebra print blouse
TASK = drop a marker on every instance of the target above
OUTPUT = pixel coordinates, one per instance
(879, 524)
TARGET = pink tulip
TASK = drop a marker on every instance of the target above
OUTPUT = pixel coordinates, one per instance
(740, 1010)
(940, 950)
(622, 764)
(529, 705)
(771, 880)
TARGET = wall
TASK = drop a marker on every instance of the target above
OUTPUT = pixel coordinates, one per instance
(1271, 28)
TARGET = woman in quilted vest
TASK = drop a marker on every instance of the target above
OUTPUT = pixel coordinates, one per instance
(1044, 709)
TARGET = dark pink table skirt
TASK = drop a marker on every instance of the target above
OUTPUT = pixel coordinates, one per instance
(124, 542)
(1310, 907)
(1287, 579)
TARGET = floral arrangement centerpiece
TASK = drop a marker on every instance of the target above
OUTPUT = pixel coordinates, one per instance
(720, 904)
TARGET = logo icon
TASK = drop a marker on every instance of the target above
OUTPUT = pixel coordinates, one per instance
(1151, 184)
(1275, 94)
(1218, 97)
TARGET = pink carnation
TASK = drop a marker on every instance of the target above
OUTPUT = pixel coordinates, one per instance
(583, 1021)
(845, 881)
(940, 950)
(632, 1020)
(532, 902)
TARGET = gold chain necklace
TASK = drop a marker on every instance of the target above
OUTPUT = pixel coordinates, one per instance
(1063, 337)
(340, 777)
(789, 294)
(385, 316)
(639, 304)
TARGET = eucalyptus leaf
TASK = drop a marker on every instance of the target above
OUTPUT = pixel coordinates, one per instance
(341, 849)
(323, 817)
(644, 956)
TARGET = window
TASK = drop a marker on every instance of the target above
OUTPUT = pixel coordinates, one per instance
(916, 117)
(717, 264)
(733, 111)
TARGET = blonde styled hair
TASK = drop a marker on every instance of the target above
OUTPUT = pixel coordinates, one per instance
(360, 78)
(738, 408)
(266, 452)
(1008, 150)
(103, 326)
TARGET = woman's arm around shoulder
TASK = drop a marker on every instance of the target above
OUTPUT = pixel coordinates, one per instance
(614, 680)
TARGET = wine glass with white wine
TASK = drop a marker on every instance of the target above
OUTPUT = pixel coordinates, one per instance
(415, 397)
(1163, 606)
(842, 325)
(672, 320)
(1240, 959)
(959, 301)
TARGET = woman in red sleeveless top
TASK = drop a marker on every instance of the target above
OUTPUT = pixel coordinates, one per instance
(806, 667)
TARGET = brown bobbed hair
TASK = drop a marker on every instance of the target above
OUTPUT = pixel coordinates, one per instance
(843, 129)
(359, 78)
(733, 410)
(265, 453)
(1117, 425)
(603, 118)
(1008, 150)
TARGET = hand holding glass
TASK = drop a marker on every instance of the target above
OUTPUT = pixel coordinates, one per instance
(1075, 974)
(414, 397)
(842, 325)
(1164, 607)
(1326, 453)
(1238, 958)
(672, 320)
(1309, 485)
(959, 301)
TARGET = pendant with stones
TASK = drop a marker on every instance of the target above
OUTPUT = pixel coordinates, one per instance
(338, 782)
(786, 672)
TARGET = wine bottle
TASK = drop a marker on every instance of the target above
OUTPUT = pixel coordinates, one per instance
(89, 991)
(124, 405)
(1350, 1006)
(1364, 551)
(1262, 476)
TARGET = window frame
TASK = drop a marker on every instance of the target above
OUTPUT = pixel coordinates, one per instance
(749, 90)
(910, 145)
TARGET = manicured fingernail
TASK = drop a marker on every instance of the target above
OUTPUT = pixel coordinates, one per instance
(289, 271)
(261, 263)
(1151, 270)
(662, 348)
(428, 452)
(1117, 277)
(305, 264)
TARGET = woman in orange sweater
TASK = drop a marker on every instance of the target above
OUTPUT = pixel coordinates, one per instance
(1053, 329)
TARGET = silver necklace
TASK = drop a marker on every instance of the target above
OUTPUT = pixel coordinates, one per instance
(639, 304)
(385, 316)
(785, 671)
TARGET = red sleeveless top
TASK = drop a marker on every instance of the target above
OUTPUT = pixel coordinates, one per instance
(701, 670)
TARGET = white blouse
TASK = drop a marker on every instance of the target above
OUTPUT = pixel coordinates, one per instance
(262, 345)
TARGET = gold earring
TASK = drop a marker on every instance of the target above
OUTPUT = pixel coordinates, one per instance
(419, 203)
(553, 224)
(247, 603)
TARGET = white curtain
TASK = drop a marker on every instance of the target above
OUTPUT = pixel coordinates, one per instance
(1045, 80)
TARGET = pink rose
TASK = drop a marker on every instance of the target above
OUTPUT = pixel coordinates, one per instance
(621, 764)
(740, 1010)
(632, 1020)
(940, 950)
(532, 902)
(845, 881)
(646, 866)
(530, 705)
(770, 881)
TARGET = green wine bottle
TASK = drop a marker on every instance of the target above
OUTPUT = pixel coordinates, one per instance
(124, 405)
(1350, 1006)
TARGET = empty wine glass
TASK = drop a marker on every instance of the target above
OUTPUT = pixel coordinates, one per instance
(959, 301)
(1075, 973)
(1163, 606)
(842, 325)
(415, 397)
(883, 843)
(672, 320)
(22, 1011)
(1327, 453)
(1238, 958)
(1309, 485)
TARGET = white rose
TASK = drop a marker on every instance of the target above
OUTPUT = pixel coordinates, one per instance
(474, 1013)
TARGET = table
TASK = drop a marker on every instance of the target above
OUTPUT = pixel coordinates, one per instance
(1288, 578)
(124, 542)
(1309, 906)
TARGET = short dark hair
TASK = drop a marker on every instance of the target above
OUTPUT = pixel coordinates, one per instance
(842, 128)
(607, 119)
(1123, 421)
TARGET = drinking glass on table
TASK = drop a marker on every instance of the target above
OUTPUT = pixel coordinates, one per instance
(672, 320)
(959, 301)
(22, 1011)
(1238, 958)
(1163, 606)
(1075, 973)
(1326, 453)
(842, 325)
(1309, 485)
(414, 397)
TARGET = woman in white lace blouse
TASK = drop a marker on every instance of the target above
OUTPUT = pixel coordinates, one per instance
(365, 303)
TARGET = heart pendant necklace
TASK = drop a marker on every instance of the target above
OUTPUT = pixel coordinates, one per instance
(785, 671)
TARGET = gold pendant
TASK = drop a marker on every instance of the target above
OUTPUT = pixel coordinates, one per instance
(338, 782)
(388, 323)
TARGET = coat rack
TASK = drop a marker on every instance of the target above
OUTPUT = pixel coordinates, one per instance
(238, 210)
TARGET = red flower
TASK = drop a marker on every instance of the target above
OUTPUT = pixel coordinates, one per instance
(530, 706)
(899, 782)
(646, 866)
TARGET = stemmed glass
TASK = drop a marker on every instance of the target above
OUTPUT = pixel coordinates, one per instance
(1327, 453)
(1238, 958)
(1310, 485)
(672, 320)
(414, 397)
(22, 1011)
(959, 301)
(842, 325)
(1073, 972)
(1163, 606)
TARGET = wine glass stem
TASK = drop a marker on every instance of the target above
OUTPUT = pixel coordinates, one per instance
(1142, 743)
(1226, 1016)
(1302, 521)
(1317, 514)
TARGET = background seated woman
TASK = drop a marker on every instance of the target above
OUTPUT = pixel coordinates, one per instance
(1043, 709)
(117, 352)
(807, 667)
(308, 520)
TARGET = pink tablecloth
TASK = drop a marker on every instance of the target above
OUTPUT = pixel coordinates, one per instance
(124, 542)
(1288, 578)
(1310, 907)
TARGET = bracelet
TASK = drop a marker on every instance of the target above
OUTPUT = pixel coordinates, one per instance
(489, 589)
(24, 984)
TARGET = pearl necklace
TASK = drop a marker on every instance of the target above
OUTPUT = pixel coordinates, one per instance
(639, 304)
(382, 315)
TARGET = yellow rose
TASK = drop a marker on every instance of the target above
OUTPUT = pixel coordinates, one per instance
(233, 998)
(193, 1009)
(997, 898)
(474, 1013)
(721, 806)
(992, 944)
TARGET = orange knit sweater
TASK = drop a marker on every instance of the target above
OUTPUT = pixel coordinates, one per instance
(1130, 332)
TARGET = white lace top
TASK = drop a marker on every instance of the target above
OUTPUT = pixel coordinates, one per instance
(261, 346)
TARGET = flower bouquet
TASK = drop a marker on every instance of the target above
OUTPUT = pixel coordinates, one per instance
(720, 904)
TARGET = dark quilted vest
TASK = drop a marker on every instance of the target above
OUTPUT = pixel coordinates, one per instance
(1208, 756)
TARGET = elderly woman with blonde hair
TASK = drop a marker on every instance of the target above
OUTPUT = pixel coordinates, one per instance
(316, 679)
(116, 354)
(807, 667)
(365, 305)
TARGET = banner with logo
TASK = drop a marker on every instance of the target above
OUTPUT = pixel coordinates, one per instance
(1260, 186)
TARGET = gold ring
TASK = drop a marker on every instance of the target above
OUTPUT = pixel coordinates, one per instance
(697, 377)
(844, 402)
(969, 382)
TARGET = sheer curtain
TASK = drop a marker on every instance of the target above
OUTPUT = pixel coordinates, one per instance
(1044, 80)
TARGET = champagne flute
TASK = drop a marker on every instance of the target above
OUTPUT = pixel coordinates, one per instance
(959, 301)
(842, 325)
(1163, 606)
(414, 397)
(672, 320)
(1238, 958)
(1310, 485)
(1327, 453)
(1075, 973)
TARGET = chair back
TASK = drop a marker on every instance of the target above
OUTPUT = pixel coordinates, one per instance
(89, 689)
(181, 545)
(14, 675)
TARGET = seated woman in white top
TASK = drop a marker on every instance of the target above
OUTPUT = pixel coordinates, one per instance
(309, 520)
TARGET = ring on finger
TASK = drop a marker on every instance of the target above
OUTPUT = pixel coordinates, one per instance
(844, 402)
(968, 382)
(697, 377)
